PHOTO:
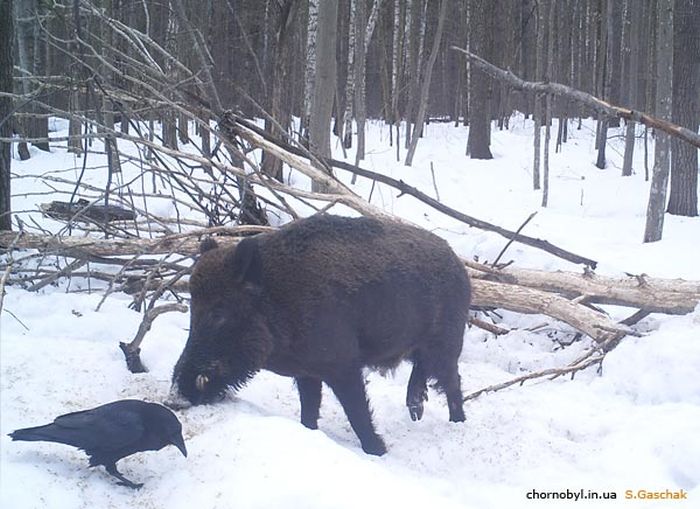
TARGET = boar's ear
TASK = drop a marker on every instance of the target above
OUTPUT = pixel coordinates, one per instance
(245, 264)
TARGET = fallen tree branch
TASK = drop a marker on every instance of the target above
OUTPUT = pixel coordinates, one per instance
(87, 247)
(132, 350)
(561, 295)
(554, 372)
(296, 158)
(589, 100)
(490, 327)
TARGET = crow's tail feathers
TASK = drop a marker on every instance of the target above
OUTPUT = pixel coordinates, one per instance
(45, 433)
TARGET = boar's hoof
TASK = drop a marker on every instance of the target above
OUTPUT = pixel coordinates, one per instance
(414, 402)
(416, 411)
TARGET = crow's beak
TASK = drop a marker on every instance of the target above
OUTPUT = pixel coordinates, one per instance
(179, 442)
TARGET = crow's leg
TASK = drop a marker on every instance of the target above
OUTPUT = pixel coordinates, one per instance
(112, 469)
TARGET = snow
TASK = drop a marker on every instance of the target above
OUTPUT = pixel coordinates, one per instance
(635, 426)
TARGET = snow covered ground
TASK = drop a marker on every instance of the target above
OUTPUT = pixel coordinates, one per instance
(634, 427)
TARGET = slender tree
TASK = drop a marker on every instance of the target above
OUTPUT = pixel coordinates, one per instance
(664, 89)
(6, 32)
(425, 85)
(310, 70)
(325, 82)
(633, 17)
(537, 110)
(360, 74)
(351, 76)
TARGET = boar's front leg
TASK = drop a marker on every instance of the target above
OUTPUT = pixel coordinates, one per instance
(310, 397)
(349, 388)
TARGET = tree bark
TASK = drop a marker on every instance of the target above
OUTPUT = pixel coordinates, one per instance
(351, 76)
(633, 41)
(425, 85)
(664, 89)
(537, 108)
(360, 75)
(6, 36)
(479, 111)
(310, 70)
(325, 82)
(683, 196)
(604, 79)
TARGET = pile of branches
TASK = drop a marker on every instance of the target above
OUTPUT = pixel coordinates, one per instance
(149, 255)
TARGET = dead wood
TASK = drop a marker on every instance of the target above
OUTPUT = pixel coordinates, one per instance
(488, 326)
(561, 295)
(297, 158)
(521, 299)
(82, 209)
(654, 295)
(132, 350)
(551, 372)
(589, 100)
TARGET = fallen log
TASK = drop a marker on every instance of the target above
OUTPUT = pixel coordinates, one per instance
(654, 295)
(560, 295)
(83, 210)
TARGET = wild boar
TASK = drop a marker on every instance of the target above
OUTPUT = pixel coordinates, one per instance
(319, 300)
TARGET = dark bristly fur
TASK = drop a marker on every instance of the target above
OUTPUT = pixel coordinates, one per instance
(320, 299)
(111, 432)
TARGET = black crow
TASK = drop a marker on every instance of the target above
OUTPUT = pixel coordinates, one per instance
(111, 432)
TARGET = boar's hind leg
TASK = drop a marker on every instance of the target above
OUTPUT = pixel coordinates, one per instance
(310, 397)
(455, 400)
(441, 364)
(417, 391)
(448, 380)
(349, 388)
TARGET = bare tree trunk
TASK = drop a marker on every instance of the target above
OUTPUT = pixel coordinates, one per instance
(279, 111)
(360, 72)
(350, 81)
(372, 21)
(6, 34)
(74, 125)
(396, 71)
(537, 110)
(169, 121)
(683, 196)
(633, 14)
(325, 82)
(664, 89)
(549, 71)
(479, 110)
(425, 85)
(605, 79)
(310, 71)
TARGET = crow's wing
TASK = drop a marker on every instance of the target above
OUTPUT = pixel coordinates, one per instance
(103, 430)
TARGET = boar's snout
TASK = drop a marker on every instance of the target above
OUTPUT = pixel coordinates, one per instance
(175, 399)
